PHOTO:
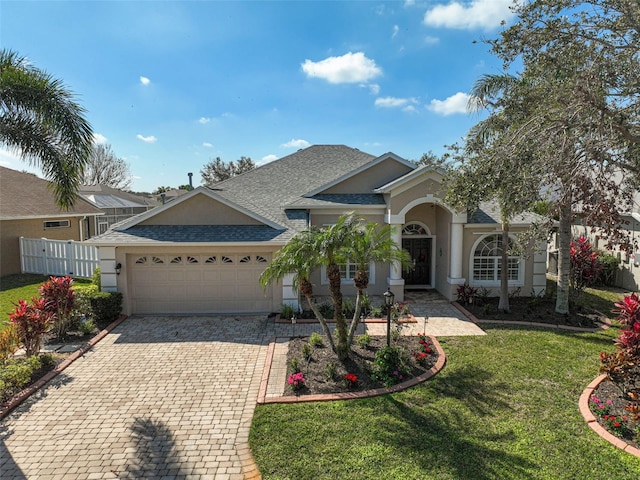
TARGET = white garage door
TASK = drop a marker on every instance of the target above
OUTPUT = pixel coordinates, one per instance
(212, 283)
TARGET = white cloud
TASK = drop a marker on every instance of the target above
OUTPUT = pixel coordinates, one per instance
(204, 120)
(393, 102)
(374, 88)
(349, 68)
(429, 40)
(409, 109)
(296, 144)
(396, 29)
(149, 139)
(207, 144)
(267, 159)
(454, 104)
(99, 139)
(483, 14)
(145, 81)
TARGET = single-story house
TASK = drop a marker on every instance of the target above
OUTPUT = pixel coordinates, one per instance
(28, 209)
(115, 204)
(204, 251)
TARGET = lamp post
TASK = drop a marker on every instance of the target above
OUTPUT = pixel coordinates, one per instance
(388, 301)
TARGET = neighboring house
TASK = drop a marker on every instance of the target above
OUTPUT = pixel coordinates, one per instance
(204, 251)
(28, 209)
(116, 205)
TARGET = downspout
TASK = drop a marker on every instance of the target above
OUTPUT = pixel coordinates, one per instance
(81, 227)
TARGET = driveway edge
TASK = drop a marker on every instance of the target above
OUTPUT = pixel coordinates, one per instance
(20, 397)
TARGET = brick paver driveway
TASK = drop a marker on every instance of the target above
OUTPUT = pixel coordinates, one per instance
(156, 398)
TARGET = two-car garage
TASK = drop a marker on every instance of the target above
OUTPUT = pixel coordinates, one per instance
(192, 282)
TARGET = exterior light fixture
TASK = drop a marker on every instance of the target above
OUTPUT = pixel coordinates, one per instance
(118, 268)
(388, 301)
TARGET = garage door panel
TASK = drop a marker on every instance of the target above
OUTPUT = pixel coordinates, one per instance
(189, 283)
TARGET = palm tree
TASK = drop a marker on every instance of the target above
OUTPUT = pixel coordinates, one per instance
(40, 120)
(370, 243)
(299, 257)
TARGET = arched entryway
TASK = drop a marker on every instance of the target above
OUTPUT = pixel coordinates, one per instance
(418, 241)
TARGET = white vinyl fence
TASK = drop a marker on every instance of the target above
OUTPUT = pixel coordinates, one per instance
(58, 257)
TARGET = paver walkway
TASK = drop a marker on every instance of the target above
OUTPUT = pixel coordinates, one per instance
(164, 397)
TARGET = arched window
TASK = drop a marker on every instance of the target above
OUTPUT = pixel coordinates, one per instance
(415, 229)
(487, 263)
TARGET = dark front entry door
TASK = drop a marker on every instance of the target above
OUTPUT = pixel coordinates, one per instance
(420, 271)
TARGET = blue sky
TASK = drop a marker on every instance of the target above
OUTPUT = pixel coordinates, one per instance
(170, 85)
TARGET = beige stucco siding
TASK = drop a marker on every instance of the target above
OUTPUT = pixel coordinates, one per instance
(201, 210)
(12, 230)
(424, 213)
(429, 186)
(371, 178)
(442, 256)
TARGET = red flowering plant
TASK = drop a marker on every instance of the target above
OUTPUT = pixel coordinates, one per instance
(584, 267)
(31, 321)
(351, 379)
(59, 300)
(425, 351)
(616, 425)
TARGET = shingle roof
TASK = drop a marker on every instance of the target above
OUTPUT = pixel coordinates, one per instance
(489, 212)
(23, 195)
(340, 200)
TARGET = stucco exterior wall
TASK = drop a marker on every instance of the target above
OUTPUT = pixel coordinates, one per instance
(200, 210)
(443, 250)
(12, 230)
(371, 178)
(428, 186)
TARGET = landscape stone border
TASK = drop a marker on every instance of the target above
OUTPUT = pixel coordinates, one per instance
(262, 393)
(20, 397)
(592, 421)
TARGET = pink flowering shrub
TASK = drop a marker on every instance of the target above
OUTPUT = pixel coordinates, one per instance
(296, 381)
(31, 321)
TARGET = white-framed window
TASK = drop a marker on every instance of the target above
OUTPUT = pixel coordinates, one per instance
(486, 263)
(347, 272)
(57, 224)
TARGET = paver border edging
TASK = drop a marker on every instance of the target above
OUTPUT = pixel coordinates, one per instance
(262, 400)
(583, 405)
(20, 397)
(474, 319)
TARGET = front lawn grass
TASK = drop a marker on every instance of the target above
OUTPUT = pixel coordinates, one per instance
(505, 406)
(22, 286)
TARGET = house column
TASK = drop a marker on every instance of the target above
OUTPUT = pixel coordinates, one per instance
(289, 293)
(395, 280)
(108, 275)
(456, 254)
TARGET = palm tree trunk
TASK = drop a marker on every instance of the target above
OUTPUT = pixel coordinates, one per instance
(323, 322)
(503, 304)
(355, 321)
(333, 274)
(564, 258)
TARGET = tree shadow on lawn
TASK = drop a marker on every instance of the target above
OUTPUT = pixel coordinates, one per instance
(443, 442)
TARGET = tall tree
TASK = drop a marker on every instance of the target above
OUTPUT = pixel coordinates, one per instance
(40, 120)
(216, 170)
(579, 124)
(431, 159)
(105, 168)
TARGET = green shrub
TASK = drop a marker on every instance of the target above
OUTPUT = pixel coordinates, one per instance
(315, 340)
(364, 340)
(96, 279)
(307, 352)
(86, 326)
(377, 312)
(106, 307)
(16, 374)
(287, 311)
(8, 342)
(390, 365)
(330, 371)
(608, 267)
(295, 365)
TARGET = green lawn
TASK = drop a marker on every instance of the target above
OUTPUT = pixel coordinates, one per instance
(505, 406)
(22, 287)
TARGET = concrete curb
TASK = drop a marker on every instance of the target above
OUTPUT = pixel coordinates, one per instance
(474, 319)
(262, 400)
(20, 397)
(583, 405)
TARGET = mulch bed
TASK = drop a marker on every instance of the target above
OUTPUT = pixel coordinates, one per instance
(359, 363)
(536, 310)
(607, 390)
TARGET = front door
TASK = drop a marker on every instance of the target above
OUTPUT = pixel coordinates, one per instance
(419, 273)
